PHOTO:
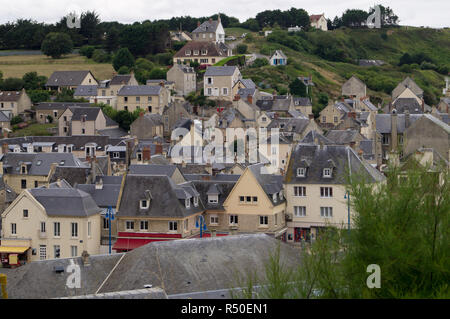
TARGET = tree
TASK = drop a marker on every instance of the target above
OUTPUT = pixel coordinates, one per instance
(259, 62)
(56, 44)
(123, 57)
(241, 48)
(112, 40)
(157, 73)
(12, 84)
(388, 17)
(90, 27)
(354, 18)
(33, 81)
(87, 51)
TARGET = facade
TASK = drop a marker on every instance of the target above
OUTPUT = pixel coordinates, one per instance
(49, 112)
(84, 121)
(218, 81)
(13, 103)
(184, 77)
(172, 114)
(49, 223)
(315, 188)
(203, 52)
(278, 58)
(69, 80)
(149, 98)
(319, 21)
(147, 126)
(209, 31)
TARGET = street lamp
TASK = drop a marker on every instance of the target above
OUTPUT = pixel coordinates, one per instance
(347, 196)
(110, 216)
(201, 225)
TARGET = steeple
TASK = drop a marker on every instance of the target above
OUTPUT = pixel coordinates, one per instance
(218, 17)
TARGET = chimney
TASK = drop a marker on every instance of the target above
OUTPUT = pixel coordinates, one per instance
(423, 106)
(93, 169)
(394, 130)
(146, 153)
(250, 99)
(161, 83)
(276, 115)
(99, 184)
(210, 20)
(198, 23)
(85, 258)
(158, 148)
(352, 144)
(407, 120)
(311, 116)
(5, 148)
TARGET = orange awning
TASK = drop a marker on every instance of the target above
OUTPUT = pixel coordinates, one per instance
(13, 250)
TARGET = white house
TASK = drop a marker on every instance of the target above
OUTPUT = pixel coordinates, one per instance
(278, 58)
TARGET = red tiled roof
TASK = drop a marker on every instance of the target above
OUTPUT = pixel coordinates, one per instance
(315, 17)
(212, 48)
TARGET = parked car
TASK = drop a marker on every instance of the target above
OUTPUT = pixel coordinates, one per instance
(230, 38)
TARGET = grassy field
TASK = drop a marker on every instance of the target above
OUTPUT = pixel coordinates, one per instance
(18, 65)
(34, 130)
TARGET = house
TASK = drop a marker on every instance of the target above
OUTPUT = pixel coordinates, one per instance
(87, 92)
(84, 121)
(355, 89)
(209, 31)
(50, 223)
(295, 128)
(427, 132)
(170, 85)
(107, 90)
(408, 104)
(69, 80)
(180, 36)
(169, 170)
(5, 124)
(319, 21)
(218, 81)
(280, 105)
(49, 112)
(147, 125)
(444, 105)
(407, 88)
(145, 152)
(315, 185)
(173, 113)
(205, 53)
(13, 103)
(245, 87)
(332, 115)
(351, 138)
(149, 98)
(184, 77)
(256, 204)
(278, 58)
(303, 104)
(154, 208)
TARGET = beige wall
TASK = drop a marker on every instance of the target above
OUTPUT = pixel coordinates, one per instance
(184, 82)
(30, 228)
(202, 59)
(330, 112)
(15, 181)
(157, 102)
(219, 83)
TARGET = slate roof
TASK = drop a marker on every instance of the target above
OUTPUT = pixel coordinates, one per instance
(342, 137)
(139, 90)
(58, 105)
(66, 78)
(7, 96)
(116, 132)
(213, 49)
(120, 79)
(65, 202)
(214, 187)
(85, 90)
(311, 137)
(184, 68)
(280, 53)
(409, 104)
(248, 83)
(104, 197)
(271, 183)
(207, 26)
(152, 169)
(244, 92)
(220, 70)
(90, 112)
(167, 198)
(4, 117)
(302, 101)
(384, 122)
(407, 83)
(340, 158)
(369, 105)
(73, 175)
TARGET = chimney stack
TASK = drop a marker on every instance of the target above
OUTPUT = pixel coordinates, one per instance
(198, 23)
(407, 119)
(85, 258)
(5, 148)
(146, 153)
(394, 130)
(250, 99)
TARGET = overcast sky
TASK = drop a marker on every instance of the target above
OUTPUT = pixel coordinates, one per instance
(433, 13)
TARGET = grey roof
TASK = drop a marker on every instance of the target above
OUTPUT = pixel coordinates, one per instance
(407, 104)
(212, 178)
(120, 79)
(184, 68)
(342, 159)
(244, 92)
(90, 112)
(207, 26)
(66, 78)
(115, 180)
(220, 188)
(152, 169)
(369, 105)
(166, 195)
(116, 132)
(302, 101)
(313, 136)
(10, 194)
(407, 83)
(280, 53)
(73, 175)
(342, 137)
(4, 117)
(106, 196)
(159, 81)
(65, 202)
(248, 83)
(384, 122)
(58, 105)
(366, 146)
(139, 90)
(86, 90)
(220, 70)
(270, 183)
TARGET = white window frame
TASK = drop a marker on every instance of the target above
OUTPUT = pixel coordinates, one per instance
(129, 223)
(173, 226)
(300, 191)
(326, 192)
(301, 172)
(13, 229)
(141, 202)
(56, 229)
(263, 220)
(327, 172)
(187, 202)
(326, 212)
(143, 223)
(234, 219)
(74, 251)
(195, 201)
(299, 211)
(74, 230)
(214, 220)
(213, 199)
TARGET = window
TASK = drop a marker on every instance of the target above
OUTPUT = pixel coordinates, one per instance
(35, 184)
(204, 52)
(74, 228)
(74, 251)
(263, 220)
(150, 108)
(225, 91)
(125, 98)
(195, 201)
(276, 219)
(129, 225)
(327, 172)
(138, 98)
(14, 229)
(23, 183)
(57, 251)
(56, 229)
(65, 118)
(149, 98)
(24, 169)
(125, 108)
(214, 219)
(324, 119)
(42, 227)
(187, 52)
(335, 119)
(65, 129)
(25, 213)
(116, 155)
(301, 171)
(255, 199)
(196, 52)
(187, 202)
(326, 192)
(55, 113)
(275, 197)
(209, 80)
(42, 252)
(299, 211)
(241, 199)
(105, 223)
(300, 191)
(233, 219)
(139, 156)
(209, 90)
(213, 199)
(248, 199)
(385, 139)
(263, 119)
(89, 229)
(173, 226)
(144, 204)
(144, 225)
(326, 212)
(400, 139)
(83, 131)
(203, 60)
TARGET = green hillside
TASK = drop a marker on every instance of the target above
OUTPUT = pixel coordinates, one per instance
(331, 58)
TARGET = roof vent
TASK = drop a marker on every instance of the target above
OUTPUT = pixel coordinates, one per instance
(58, 269)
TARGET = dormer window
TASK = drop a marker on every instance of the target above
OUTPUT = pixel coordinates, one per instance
(275, 197)
(281, 195)
(204, 52)
(301, 172)
(213, 199)
(195, 201)
(188, 52)
(187, 202)
(143, 204)
(327, 172)
(196, 52)
(24, 169)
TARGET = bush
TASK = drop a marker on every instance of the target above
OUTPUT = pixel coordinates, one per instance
(37, 96)
(87, 51)
(161, 58)
(178, 45)
(241, 48)
(123, 57)
(124, 70)
(259, 62)
(16, 120)
(406, 68)
(100, 56)
(57, 44)
(12, 84)
(157, 73)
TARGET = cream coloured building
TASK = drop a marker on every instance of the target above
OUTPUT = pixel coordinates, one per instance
(55, 222)
(218, 81)
(149, 98)
(318, 21)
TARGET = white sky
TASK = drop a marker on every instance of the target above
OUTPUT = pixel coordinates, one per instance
(432, 13)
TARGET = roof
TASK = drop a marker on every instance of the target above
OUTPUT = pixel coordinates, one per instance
(180, 266)
(408, 104)
(369, 105)
(220, 70)
(315, 17)
(207, 26)
(407, 83)
(213, 49)
(58, 105)
(342, 137)
(66, 78)
(166, 198)
(139, 90)
(105, 196)
(86, 90)
(384, 122)
(152, 169)
(342, 159)
(10, 95)
(120, 79)
(90, 112)
(184, 68)
(73, 175)
(248, 83)
(280, 53)
(313, 136)
(4, 117)
(271, 183)
(65, 202)
(302, 101)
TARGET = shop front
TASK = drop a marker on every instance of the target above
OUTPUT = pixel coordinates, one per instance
(14, 253)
